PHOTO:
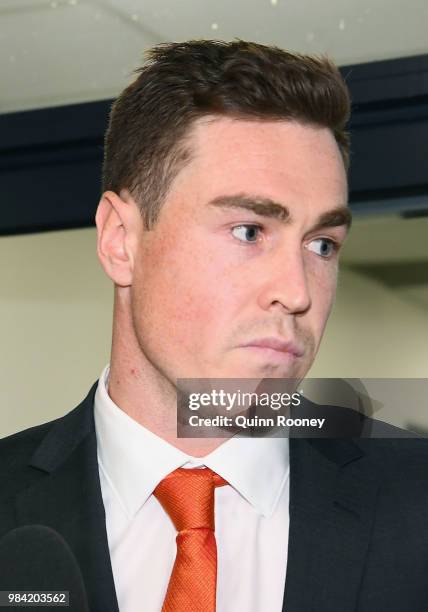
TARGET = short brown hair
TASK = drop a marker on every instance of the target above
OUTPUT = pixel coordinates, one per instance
(145, 144)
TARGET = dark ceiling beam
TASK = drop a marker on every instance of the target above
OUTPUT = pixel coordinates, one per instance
(50, 159)
(389, 129)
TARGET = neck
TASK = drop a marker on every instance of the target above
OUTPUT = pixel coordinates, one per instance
(141, 390)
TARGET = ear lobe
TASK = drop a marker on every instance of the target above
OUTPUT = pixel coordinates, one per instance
(113, 246)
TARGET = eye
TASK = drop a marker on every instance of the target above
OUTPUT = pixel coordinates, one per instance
(324, 247)
(248, 231)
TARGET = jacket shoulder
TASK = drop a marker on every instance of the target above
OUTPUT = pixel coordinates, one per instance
(40, 446)
(19, 447)
(402, 459)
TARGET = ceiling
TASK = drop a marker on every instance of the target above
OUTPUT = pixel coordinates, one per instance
(55, 52)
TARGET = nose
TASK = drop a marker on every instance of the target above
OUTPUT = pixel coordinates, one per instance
(285, 283)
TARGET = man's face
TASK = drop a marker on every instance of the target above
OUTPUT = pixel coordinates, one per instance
(212, 277)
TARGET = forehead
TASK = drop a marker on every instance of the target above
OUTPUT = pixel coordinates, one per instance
(276, 159)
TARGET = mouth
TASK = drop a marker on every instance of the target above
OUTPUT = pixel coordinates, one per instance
(275, 346)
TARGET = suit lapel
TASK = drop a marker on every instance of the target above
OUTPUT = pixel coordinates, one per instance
(332, 503)
(67, 497)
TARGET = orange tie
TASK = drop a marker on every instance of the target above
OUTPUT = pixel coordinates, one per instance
(187, 495)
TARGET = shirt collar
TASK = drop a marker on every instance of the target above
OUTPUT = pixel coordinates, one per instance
(135, 460)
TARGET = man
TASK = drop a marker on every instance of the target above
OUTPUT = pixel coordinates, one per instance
(224, 207)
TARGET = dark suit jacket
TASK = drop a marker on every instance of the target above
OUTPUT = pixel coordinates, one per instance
(358, 539)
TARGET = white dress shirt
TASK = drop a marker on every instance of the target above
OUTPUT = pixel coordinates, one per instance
(251, 515)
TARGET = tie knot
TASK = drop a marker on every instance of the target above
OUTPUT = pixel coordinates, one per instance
(187, 495)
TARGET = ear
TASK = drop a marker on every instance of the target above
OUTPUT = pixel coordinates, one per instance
(118, 224)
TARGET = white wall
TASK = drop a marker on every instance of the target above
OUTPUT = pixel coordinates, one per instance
(55, 324)
(55, 313)
(372, 333)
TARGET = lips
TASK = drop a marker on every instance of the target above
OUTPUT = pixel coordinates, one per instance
(277, 344)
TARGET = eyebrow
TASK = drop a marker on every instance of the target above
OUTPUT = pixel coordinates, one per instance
(265, 207)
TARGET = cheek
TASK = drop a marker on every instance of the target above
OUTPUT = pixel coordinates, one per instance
(198, 305)
(181, 298)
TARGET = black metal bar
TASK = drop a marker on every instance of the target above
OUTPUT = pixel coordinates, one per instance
(50, 159)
